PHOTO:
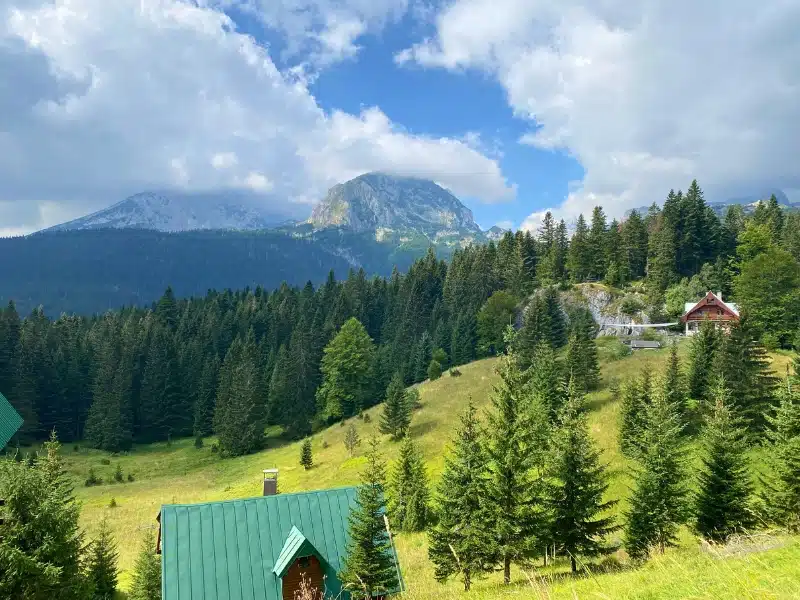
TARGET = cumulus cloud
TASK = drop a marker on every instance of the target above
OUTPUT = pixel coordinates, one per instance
(100, 99)
(645, 95)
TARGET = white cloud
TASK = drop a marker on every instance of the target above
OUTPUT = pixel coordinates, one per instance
(100, 99)
(645, 95)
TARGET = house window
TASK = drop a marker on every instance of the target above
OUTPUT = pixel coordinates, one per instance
(304, 562)
(709, 301)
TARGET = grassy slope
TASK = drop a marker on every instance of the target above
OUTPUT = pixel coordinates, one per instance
(181, 473)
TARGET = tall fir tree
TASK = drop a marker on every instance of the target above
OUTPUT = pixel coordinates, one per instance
(146, 580)
(579, 259)
(636, 394)
(368, 567)
(674, 386)
(306, 455)
(659, 502)
(704, 346)
(545, 379)
(780, 491)
(579, 483)
(596, 242)
(206, 397)
(102, 564)
(459, 543)
(408, 489)
(581, 362)
(396, 416)
(724, 484)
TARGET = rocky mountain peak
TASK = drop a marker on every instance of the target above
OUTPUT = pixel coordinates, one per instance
(377, 201)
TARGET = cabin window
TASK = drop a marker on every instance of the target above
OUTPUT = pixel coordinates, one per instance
(304, 562)
(709, 301)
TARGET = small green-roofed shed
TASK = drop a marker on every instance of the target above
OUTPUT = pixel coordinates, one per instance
(255, 548)
(10, 421)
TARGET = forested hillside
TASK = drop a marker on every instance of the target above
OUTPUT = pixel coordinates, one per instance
(194, 366)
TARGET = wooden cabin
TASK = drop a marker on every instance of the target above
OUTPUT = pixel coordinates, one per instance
(710, 308)
(257, 547)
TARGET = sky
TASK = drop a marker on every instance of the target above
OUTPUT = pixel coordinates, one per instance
(516, 106)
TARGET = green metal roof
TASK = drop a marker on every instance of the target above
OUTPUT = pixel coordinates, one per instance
(234, 550)
(10, 421)
(296, 545)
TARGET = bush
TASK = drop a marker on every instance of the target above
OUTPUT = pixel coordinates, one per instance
(113, 503)
(454, 372)
(367, 418)
(215, 447)
(325, 444)
(130, 477)
(118, 474)
(434, 370)
(631, 305)
(771, 341)
(92, 479)
(198, 442)
(76, 448)
(105, 461)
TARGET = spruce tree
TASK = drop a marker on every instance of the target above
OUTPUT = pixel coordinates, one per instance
(368, 565)
(396, 411)
(146, 581)
(351, 440)
(581, 362)
(546, 380)
(743, 363)
(434, 370)
(658, 505)
(579, 483)
(206, 397)
(306, 458)
(635, 402)
(512, 481)
(459, 542)
(781, 483)
(408, 489)
(674, 387)
(102, 564)
(722, 504)
(579, 260)
(703, 349)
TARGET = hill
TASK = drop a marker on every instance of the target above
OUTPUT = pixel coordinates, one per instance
(181, 473)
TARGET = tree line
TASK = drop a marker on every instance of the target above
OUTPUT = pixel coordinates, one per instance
(230, 362)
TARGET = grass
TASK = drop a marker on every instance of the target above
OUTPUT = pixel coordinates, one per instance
(181, 473)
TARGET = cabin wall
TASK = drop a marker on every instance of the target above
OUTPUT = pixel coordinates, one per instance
(307, 567)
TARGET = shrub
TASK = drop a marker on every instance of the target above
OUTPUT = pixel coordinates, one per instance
(325, 444)
(198, 442)
(76, 448)
(112, 504)
(130, 477)
(92, 479)
(105, 461)
(631, 305)
(367, 418)
(215, 447)
(454, 372)
(118, 474)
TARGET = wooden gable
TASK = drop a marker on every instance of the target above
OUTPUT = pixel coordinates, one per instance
(711, 308)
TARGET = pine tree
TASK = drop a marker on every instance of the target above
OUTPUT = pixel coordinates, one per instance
(703, 349)
(725, 487)
(658, 505)
(306, 458)
(781, 484)
(351, 440)
(635, 402)
(368, 565)
(743, 363)
(545, 379)
(408, 489)
(579, 261)
(346, 371)
(396, 412)
(146, 582)
(596, 242)
(579, 484)
(674, 387)
(459, 543)
(581, 363)
(102, 564)
(512, 481)
(206, 397)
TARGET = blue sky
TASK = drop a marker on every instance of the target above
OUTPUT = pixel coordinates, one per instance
(517, 106)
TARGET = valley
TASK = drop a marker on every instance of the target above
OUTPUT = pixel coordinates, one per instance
(181, 473)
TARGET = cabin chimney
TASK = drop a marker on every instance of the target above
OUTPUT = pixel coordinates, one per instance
(719, 295)
(270, 482)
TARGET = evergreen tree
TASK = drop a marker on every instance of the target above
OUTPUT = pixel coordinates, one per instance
(596, 242)
(781, 484)
(512, 483)
(146, 581)
(408, 489)
(545, 379)
(206, 398)
(674, 387)
(579, 259)
(581, 364)
(434, 370)
(9, 340)
(368, 565)
(579, 484)
(725, 487)
(635, 402)
(702, 352)
(41, 545)
(346, 371)
(422, 358)
(102, 567)
(494, 316)
(167, 309)
(744, 365)
(543, 320)
(396, 411)
(459, 543)
(306, 458)
(658, 505)
(351, 440)
(634, 242)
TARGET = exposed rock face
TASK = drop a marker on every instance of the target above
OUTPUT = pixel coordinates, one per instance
(608, 309)
(376, 202)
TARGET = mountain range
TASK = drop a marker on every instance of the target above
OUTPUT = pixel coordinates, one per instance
(128, 253)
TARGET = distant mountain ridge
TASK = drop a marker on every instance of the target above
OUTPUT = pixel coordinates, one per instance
(176, 211)
(749, 203)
